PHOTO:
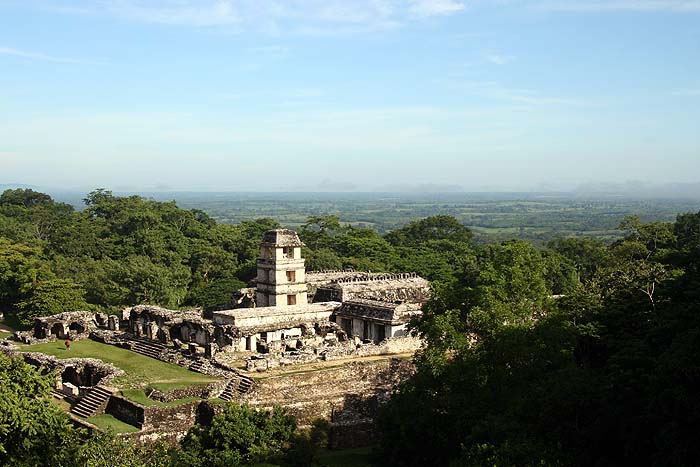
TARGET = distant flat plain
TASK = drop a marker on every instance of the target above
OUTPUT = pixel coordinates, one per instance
(537, 217)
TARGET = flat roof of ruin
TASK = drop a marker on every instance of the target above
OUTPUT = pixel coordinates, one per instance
(265, 311)
(380, 282)
(174, 316)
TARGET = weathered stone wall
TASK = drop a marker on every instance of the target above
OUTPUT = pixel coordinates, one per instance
(164, 423)
(171, 419)
(73, 325)
(252, 320)
(125, 410)
(165, 420)
(78, 371)
(405, 287)
(316, 279)
(332, 349)
(348, 396)
(389, 346)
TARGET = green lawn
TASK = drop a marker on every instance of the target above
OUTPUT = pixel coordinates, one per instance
(140, 397)
(4, 334)
(140, 370)
(109, 423)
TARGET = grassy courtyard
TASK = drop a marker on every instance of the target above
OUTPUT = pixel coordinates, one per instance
(109, 423)
(140, 371)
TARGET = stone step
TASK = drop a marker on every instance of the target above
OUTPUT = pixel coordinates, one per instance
(82, 413)
(93, 400)
(147, 348)
(230, 390)
(244, 385)
(147, 351)
(150, 348)
(239, 385)
(148, 345)
(198, 366)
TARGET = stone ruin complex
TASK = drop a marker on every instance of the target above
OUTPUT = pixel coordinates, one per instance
(287, 317)
(291, 316)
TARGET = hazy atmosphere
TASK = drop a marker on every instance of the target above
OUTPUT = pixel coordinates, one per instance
(439, 95)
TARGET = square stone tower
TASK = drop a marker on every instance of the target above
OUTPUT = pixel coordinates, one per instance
(281, 272)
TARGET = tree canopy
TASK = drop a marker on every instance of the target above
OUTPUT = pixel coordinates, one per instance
(606, 374)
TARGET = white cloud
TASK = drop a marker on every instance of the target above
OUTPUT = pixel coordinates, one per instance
(498, 59)
(495, 91)
(42, 57)
(436, 7)
(207, 13)
(271, 15)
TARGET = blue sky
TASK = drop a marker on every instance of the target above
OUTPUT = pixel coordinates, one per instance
(277, 95)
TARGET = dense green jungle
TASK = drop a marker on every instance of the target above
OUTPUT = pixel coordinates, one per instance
(560, 332)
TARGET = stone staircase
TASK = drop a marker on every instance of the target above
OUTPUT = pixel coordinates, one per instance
(147, 348)
(200, 366)
(236, 386)
(91, 402)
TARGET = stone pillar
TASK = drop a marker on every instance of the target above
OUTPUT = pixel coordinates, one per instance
(241, 344)
(164, 335)
(113, 323)
(201, 337)
(153, 330)
(252, 343)
(358, 328)
(210, 350)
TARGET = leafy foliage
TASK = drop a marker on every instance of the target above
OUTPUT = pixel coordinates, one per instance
(50, 297)
(33, 431)
(107, 450)
(118, 251)
(238, 436)
(604, 375)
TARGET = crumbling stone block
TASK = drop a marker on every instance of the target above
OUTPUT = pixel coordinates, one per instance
(113, 323)
(101, 319)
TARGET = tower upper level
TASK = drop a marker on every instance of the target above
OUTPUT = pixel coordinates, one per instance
(281, 273)
(280, 244)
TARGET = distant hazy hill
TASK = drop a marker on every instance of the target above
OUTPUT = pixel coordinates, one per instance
(636, 189)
